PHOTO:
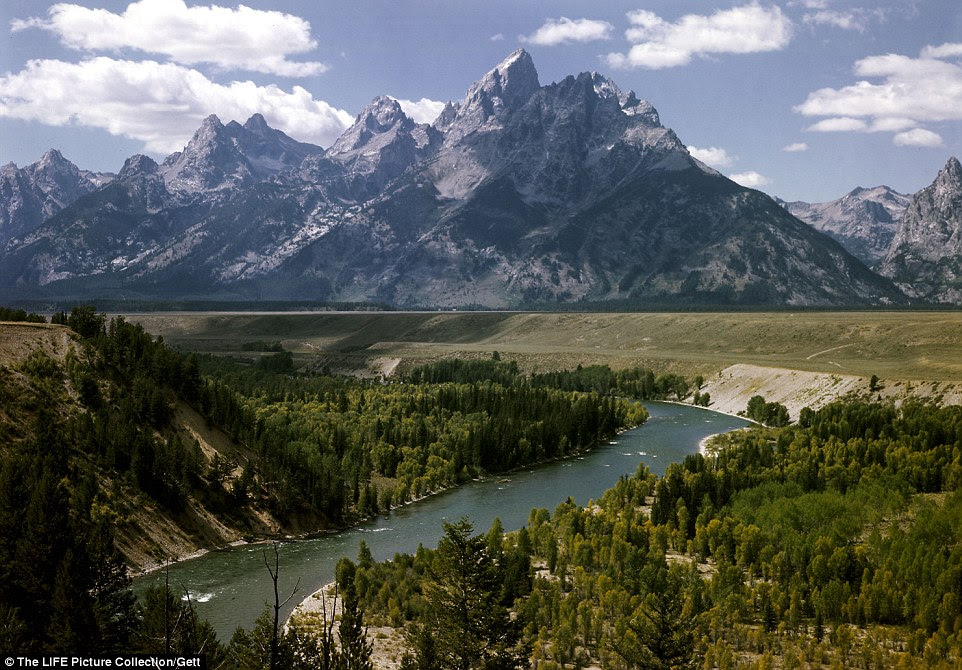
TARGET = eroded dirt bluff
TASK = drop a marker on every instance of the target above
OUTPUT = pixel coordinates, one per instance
(147, 533)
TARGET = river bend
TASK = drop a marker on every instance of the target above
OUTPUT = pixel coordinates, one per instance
(231, 587)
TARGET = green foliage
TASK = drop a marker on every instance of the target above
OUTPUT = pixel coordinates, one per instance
(62, 584)
(768, 413)
(19, 315)
(460, 371)
(469, 626)
(322, 442)
(280, 363)
(787, 537)
(639, 383)
(86, 322)
(169, 625)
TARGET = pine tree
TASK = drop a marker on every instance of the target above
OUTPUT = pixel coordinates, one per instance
(114, 606)
(469, 625)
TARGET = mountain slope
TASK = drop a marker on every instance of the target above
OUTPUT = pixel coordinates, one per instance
(925, 258)
(518, 194)
(864, 221)
(36, 192)
(158, 470)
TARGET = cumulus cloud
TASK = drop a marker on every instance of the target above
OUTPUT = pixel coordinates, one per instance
(421, 111)
(238, 38)
(159, 104)
(894, 93)
(750, 179)
(660, 44)
(565, 30)
(918, 137)
(795, 147)
(714, 156)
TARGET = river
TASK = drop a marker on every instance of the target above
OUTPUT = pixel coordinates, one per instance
(231, 587)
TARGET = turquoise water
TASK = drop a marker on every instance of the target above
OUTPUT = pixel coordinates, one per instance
(230, 588)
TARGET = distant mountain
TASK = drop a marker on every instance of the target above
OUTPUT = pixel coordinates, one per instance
(863, 221)
(34, 193)
(233, 156)
(518, 194)
(925, 258)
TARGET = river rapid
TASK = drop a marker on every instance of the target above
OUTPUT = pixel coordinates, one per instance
(231, 587)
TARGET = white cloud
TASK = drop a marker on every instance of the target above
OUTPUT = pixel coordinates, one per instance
(241, 38)
(564, 30)
(947, 50)
(894, 93)
(918, 137)
(421, 111)
(499, 37)
(714, 156)
(839, 125)
(891, 124)
(160, 104)
(795, 147)
(851, 20)
(659, 44)
(750, 179)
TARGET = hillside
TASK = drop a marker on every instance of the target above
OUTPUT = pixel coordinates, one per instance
(49, 371)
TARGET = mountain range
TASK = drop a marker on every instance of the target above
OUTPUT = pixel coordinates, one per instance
(864, 221)
(519, 194)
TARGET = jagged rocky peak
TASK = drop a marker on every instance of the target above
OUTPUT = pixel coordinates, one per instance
(382, 115)
(137, 165)
(381, 144)
(143, 181)
(52, 157)
(507, 86)
(948, 184)
(630, 103)
(257, 124)
(925, 258)
(864, 220)
(447, 116)
(209, 127)
(213, 159)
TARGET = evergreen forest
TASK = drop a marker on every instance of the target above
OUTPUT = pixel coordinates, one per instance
(834, 541)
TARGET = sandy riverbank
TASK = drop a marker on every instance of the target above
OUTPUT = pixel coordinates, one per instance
(387, 643)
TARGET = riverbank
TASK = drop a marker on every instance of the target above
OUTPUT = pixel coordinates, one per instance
(324, 605)
(732, 388)
(230, 587)
(181, 551)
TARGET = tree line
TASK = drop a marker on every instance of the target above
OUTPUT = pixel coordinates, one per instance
(835, 541)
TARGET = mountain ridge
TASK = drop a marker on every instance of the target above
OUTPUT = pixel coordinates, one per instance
(518, 194)
(864, 220)
(925, 258)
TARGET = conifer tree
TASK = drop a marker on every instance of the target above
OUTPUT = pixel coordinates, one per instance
(470, 627)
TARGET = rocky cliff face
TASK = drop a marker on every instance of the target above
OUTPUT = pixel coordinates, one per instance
(30, 195)
(863, 221)
(925, 258)
(518, 194)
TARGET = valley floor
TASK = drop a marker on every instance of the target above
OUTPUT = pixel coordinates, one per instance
(798, 359)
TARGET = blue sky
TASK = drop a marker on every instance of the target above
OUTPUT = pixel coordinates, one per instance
(804, 99)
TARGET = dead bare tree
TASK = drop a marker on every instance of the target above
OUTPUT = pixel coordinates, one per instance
(278, 605)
